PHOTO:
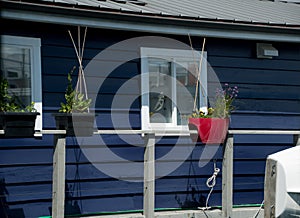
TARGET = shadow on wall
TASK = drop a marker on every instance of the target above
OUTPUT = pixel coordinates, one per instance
(72, 206)
(5, 211)
(193, 197)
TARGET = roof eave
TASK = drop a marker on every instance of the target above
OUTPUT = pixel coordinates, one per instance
(149, 23)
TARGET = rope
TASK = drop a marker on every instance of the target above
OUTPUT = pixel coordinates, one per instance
(210, 183)
(261, 205)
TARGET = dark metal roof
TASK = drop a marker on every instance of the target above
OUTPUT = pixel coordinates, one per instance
(255, 12)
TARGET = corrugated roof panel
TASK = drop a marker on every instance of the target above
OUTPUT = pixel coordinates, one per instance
(113, 6)
(264, 12)
(128, 6)
(238, 11)
(243, 10)
(163, 7)
(234, 10)
(100, 4)
(275, 12)
(76, 2)
(122, 7)
(89, 3)
(62, 1)
(143, 8)
(133, 7)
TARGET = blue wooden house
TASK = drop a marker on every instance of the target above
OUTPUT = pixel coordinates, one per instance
(254, 45)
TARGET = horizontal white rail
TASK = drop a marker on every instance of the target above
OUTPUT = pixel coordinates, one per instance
(173, 132)
(276, 132)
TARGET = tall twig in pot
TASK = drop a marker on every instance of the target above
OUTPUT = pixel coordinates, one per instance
(81, 83)
(198, 71)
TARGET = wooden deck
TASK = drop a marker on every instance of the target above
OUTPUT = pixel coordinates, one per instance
(250, 212)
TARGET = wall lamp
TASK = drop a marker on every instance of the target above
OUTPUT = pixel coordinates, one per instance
(265, 50)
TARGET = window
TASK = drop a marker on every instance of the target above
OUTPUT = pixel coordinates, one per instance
(21, 66)
(168, 87)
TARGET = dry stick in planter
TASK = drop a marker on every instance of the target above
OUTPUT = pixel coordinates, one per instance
(75, 113)
(198, 72)
(81, 84)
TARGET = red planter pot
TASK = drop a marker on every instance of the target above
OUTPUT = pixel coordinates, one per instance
(210, 130)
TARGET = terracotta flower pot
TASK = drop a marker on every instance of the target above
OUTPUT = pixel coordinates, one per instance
(210, 130)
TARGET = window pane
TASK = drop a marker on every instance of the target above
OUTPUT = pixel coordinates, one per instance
(16, 68)
(160, 90)
(186, 75)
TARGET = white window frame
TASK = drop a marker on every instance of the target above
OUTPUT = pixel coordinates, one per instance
(34, 44)
(170, 55)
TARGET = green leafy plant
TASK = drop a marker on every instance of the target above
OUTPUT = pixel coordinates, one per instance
(74, 101)
(223, 104)
(11, 103)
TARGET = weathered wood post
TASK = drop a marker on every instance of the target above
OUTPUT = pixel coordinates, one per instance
(227, 178)
(58, 185)
(149, 175)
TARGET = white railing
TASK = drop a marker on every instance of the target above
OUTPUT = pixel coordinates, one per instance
(59, 161)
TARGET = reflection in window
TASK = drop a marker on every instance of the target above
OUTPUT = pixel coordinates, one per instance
(161, 85)
(186, 77)
(160, 88)
(168, 87)
(16, 68)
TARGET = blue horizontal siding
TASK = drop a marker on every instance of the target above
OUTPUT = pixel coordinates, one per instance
(257, 76)
(126, 70)
(266, 121)
(268, 105)
(104, 189)
(268, 99)
(249, 63)
(247, 49)
(103, 120)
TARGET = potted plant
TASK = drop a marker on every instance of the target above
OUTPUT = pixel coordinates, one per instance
(74, 112)
(15, 119)
(212, 126)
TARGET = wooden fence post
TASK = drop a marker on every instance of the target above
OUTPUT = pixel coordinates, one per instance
(149, 175)
(227, 178)
(58, 180)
